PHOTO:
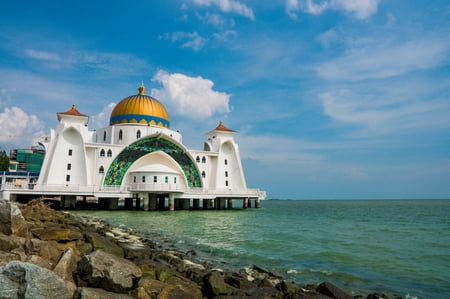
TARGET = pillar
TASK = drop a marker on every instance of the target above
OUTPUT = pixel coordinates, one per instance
(245, 203)
(257, 203)
(171, 202)
(146, 203)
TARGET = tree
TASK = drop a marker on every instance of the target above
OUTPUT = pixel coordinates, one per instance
(4, 161)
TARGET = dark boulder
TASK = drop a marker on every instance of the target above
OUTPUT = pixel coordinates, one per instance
(329, 289)
(107, 271)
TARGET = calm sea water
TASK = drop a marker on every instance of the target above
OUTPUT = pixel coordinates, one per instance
(399, 246)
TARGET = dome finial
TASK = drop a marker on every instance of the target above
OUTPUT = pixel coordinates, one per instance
(141, 88)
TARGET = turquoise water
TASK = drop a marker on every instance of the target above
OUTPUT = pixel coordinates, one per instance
(399, 246)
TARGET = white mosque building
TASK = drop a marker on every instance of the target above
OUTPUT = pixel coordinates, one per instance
(140, 161)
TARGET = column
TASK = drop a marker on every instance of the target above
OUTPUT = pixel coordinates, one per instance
(171, 202)
(257, 203)
(146, 202)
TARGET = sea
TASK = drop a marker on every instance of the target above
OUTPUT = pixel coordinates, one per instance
(399, 247)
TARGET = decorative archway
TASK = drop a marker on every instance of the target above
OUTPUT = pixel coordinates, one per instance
(138, 149)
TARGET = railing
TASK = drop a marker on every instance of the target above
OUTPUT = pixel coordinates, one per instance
(138, 187)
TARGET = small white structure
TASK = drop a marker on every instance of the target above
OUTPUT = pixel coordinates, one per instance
(138, 157)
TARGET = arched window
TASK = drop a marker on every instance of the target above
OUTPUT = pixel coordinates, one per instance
(203, 174)
(138, 134)
(109, 154)
(197, 159)
(101, 170)
(226, 174)
(102, 153)
(203, 160)
(120, 135)
(104, 136)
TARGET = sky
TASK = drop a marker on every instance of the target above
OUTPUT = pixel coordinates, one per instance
(331, 99)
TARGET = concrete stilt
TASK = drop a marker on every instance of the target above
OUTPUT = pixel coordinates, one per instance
(257, 203)
(171, 202)
(146, 203)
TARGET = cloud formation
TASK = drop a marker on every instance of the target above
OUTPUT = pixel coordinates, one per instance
(18, 127)
(190, 40)
(193, 97)
(361, 9)
(228, 6)
(375, 59)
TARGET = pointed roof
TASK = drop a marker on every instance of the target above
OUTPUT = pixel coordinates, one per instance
(221, 127)
(73, 112)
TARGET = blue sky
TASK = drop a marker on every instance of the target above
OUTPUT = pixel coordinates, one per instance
(331, 98)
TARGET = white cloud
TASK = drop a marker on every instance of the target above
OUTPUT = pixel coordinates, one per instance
(384, 116)
(101, 119)
(228, 6)
(42, 55)
(375, 59)
(361, 9)
(190, 96)
(19, 128)
(188, 39)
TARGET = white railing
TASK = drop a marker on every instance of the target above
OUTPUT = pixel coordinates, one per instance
(149, 187)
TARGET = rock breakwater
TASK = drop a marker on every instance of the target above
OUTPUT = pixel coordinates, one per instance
(46, 253)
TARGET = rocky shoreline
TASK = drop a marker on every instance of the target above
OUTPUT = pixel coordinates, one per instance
(46, 253)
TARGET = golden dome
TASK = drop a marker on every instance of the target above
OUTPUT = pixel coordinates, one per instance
(140, 109)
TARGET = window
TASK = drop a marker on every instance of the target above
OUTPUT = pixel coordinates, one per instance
(101, 170)
(120, 135)
(155, 179)
(203, 160)
(226, 162)
(143, 178)
(175, 180)
(68, 178)
(70, 152)
(138, 134)
(226, 174)
(166, 179)
(102, 153)
(203, 174)
(197, 159)
(104, 136)
(226, 183)
(134, 179)
(69, 166)
(109, 154)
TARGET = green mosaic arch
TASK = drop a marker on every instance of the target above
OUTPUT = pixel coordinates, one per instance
(144, 146)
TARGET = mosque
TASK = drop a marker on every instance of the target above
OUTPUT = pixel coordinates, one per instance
(140, 161)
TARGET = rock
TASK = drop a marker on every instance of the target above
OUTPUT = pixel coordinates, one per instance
(101, 269)
(5, 217)
(28, 281)
(329, 289)
(10, 242)
(39, 261)
(12, 220)
(215, 285)
(95, 293)
(46, 250)
(66, 266)
(178, 288)
(103, 243)
(151, 287)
